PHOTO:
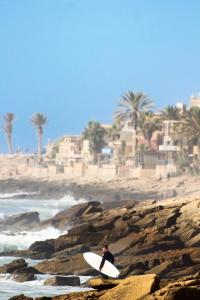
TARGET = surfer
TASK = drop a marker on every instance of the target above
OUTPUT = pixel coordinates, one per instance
(107, 255)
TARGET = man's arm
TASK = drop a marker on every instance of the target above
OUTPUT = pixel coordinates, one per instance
(102, 263)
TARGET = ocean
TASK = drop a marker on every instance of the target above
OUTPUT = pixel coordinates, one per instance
(23, 239)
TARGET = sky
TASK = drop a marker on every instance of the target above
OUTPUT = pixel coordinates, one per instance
(73, 59)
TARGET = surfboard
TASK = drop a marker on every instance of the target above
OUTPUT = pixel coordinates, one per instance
(94, 260)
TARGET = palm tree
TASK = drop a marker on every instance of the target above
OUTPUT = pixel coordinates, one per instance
(190, 127)
(171, 113)
(130, 107)
(149, 123)
(8, 129)
(38, 120)
(96, 134)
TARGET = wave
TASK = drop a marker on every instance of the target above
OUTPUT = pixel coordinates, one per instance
(46, 208)
(2, 216)
(36, 288)
(8, 259)
(13, 195)
(23, 240)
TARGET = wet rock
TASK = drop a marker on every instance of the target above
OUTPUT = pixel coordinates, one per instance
(24, 277)
(21, 297)
(27, 270)
(44, 248)
(20, 221)
(62, 281)
(70, 215)
(13, 266)
(74, 264)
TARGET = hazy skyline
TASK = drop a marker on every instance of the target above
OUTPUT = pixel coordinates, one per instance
(73, 59)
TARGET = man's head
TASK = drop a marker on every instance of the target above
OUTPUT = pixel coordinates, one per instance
(105, 248)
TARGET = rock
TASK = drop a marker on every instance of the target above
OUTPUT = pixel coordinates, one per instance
(74, 264)
(186, 260)
(20, 297)
(137, 268)
(125, 243)
(13, 266)
(166, 218)
(20, 221)
(44, 248)
(163, 268)
(186, 233)
(168, 194)
(153, 262)
(133, 287)
(194, 242)
(69, 215)
(24, 277)
(102, 284)
(62, 281)
(186, 288)
(27, 270)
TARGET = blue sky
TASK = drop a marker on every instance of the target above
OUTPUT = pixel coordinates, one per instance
(73, 59)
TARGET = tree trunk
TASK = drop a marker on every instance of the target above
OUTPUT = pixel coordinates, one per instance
(39, 146)
(135, 141)
(9, 142)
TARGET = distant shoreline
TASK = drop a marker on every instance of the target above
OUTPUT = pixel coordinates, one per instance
(111, 193)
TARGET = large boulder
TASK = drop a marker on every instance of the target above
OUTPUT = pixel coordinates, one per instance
(62, 281)
(21, 221)
(186, 288)
(102, 284)
(74, 264)
(163, 268)
(73, 214)
(22, 277)
(21, 297)
(133, 287)
(13, 266)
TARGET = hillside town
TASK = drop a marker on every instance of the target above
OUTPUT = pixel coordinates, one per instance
(159, 145)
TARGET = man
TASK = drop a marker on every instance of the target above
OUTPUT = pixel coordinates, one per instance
(107, 255)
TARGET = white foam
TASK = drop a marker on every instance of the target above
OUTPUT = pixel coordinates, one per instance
(46, 208)
(2, 216)
(22, 240)
(36, 288)
(13, 195)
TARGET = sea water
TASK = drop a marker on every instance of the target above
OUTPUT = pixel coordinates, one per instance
(23, 239)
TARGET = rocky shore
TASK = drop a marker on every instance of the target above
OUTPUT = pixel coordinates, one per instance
(141, 287)
(111, 193)
(150, 239)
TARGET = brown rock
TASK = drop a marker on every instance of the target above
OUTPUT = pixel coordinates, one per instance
(20, 221)
(21, 297)
(163, 268)
(24, 277)
(74, 264)
(133, 287)
(102, 284)
(62, 281)
(13, 266)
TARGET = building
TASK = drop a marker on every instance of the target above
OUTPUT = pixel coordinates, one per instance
(195, 100)
(168, 143)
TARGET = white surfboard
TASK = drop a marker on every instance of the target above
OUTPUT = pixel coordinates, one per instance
(94, 261)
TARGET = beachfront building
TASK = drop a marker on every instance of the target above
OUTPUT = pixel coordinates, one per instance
(168, 130)
(195, 100)
(72, 149)
(69, 150)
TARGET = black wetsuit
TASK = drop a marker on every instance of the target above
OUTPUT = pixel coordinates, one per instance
(107, 256)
